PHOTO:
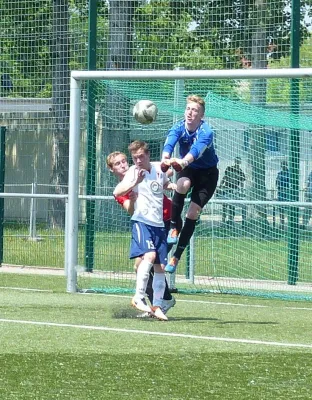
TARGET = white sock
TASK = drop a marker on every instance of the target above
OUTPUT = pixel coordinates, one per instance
(142, 278)
(159, 285)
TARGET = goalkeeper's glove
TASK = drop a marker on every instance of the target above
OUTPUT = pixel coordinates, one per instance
(165, 164)
(178, 164)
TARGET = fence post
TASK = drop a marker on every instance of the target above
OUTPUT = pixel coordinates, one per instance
(91, 139)
(2, 176)
(66, 239)
(33, 215)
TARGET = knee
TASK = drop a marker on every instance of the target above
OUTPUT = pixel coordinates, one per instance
(159, 268)
(194, 211)
(183, 185)
(137, 262)
(150, 257)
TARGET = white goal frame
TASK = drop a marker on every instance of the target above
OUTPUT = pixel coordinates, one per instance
(71, 231)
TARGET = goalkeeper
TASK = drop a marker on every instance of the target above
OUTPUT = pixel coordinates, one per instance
(118, 164)
(197, 170)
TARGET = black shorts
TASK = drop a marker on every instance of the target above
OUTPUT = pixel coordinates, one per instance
(203, 183)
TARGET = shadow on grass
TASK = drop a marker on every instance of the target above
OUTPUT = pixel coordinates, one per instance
(127, 313)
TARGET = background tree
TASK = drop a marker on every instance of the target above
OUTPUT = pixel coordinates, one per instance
(165, 39)
(256, 155)
(115, 107)
(279, 89)
(120, 47)
(26, 28)
(229, 25)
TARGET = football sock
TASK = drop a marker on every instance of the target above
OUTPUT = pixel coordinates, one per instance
(185, 236)
(149, 287)
(142, 278)
(159, 284)
(169, 247)
(176, 210)
(167, 294)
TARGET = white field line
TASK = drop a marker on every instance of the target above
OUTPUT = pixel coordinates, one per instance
(24, 269)
(245, 305)
(178, 300)
(166, 334)
(26, 289)
(212, 282)
(209, 302)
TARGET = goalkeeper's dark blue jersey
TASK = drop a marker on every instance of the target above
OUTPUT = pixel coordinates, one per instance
(198, 143)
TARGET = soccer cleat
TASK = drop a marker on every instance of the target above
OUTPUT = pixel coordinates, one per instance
(158, 313)
(172, 237)
(167, 304)
(165, 165)
(140, 304)
(172, 265)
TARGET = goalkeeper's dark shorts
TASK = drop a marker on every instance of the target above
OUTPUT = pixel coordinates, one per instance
(203, 183)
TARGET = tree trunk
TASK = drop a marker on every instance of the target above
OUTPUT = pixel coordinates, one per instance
(116, 109)
(60, 101)
(257, 144)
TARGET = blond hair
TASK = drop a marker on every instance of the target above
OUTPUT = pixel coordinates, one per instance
(192, 98)
(111, 157)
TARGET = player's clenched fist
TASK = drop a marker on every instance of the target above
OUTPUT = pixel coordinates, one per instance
(178, 164)
(165, 164)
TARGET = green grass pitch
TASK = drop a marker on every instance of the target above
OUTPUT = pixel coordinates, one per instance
(56, 345)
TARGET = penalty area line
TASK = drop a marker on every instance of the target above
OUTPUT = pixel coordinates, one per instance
(26, 289)
(219, 303)
(164, 334)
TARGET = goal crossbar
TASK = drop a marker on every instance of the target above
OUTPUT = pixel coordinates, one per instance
(194, 74)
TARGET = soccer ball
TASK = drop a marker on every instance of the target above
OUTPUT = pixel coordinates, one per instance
(145, 111)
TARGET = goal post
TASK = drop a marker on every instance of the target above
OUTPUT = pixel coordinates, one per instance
(72, 218)
(261, 124)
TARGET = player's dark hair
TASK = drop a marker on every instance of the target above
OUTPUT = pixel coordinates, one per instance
(138, 145)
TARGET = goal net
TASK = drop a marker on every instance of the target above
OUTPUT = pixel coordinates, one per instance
(251, 238)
